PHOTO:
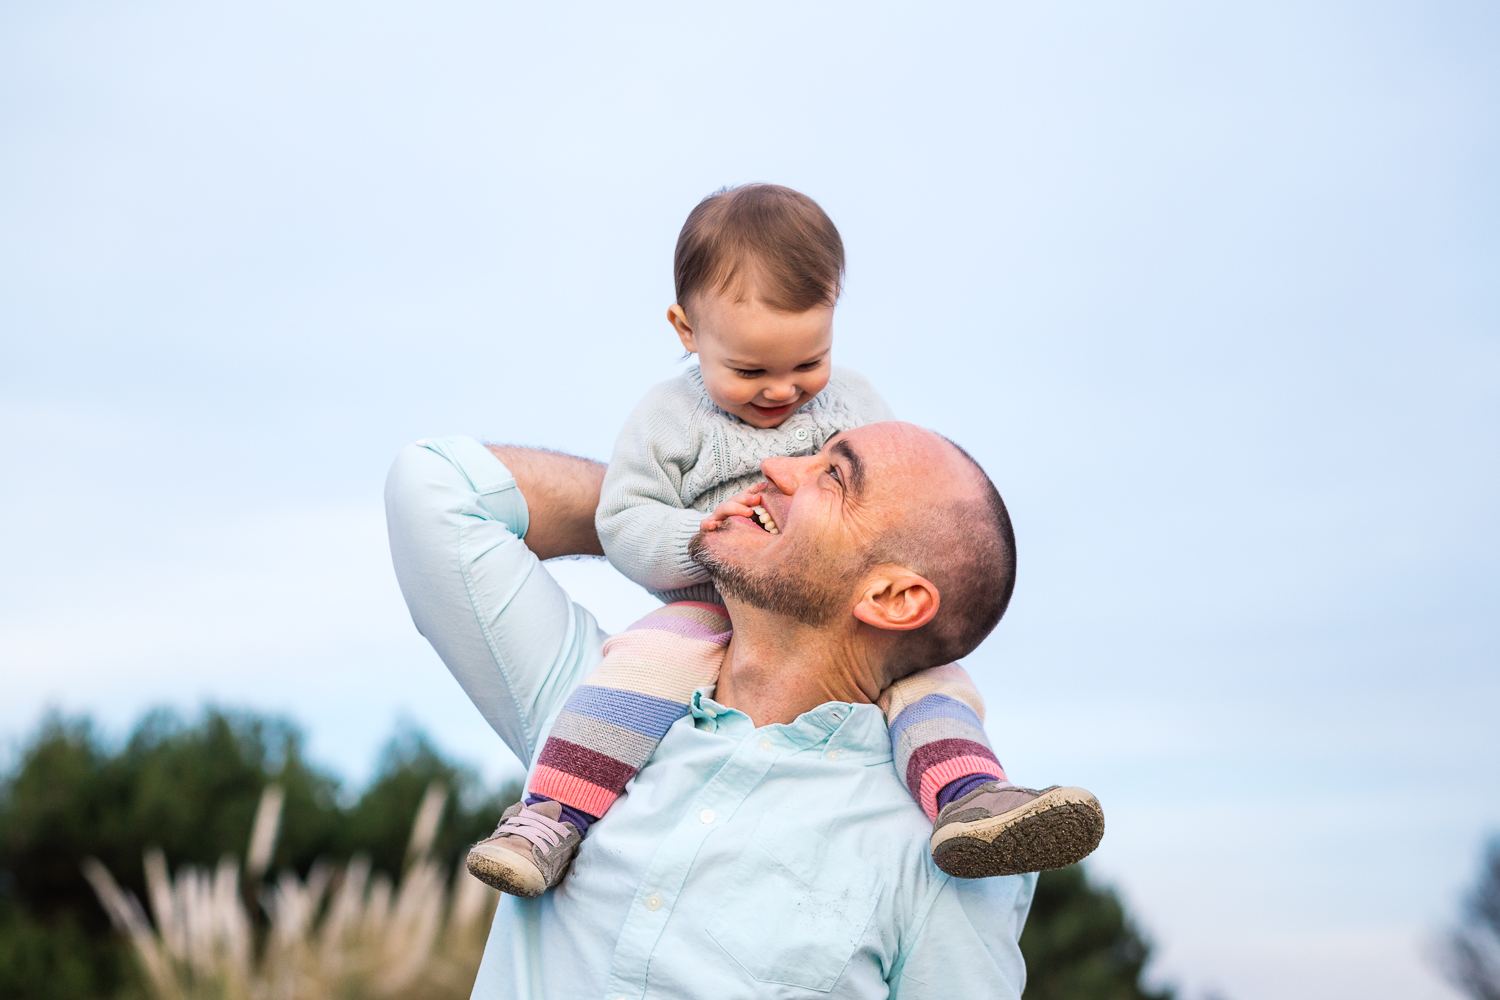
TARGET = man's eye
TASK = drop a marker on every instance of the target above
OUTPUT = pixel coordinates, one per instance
(749, 372)
(833, 470)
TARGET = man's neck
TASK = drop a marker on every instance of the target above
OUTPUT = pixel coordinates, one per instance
(775, 668)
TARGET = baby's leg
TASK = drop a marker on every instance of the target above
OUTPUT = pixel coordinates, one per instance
(937, 733)
(982, 824)
(607, 729)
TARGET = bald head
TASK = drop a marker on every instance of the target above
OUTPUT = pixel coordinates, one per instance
(891, 522)
(963, 542)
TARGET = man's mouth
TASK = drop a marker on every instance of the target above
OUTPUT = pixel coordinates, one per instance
(764, 519)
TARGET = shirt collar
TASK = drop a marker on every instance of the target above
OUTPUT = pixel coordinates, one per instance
(856, 731)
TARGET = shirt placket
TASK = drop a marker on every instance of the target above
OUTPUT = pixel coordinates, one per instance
(660, 889)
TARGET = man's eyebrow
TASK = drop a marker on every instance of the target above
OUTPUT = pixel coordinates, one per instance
(856, 467)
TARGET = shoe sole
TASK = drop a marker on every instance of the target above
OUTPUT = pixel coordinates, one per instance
(1058, 828)
(507, 871)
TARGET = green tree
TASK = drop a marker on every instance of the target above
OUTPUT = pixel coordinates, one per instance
(1080, 945)
(379, 824)
(1472, 959)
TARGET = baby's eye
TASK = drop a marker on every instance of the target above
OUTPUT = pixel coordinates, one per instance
(810, 366)
(749, 372)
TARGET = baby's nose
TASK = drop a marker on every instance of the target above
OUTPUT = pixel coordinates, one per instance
(781, 392)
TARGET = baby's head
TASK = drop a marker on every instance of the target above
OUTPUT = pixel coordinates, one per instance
(759, 269)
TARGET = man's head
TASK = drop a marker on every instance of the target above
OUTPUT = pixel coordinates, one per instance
(891, 532)
(758, 270)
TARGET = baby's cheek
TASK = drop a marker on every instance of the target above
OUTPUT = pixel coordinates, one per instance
(731, 389)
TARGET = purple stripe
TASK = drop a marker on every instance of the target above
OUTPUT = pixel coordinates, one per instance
(685, 627)
(934, 706)
(640, 713)
(959, 787)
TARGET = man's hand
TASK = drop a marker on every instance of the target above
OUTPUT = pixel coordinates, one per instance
(742, 504)
(562, 493)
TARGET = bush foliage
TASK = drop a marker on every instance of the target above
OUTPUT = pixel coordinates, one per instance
(190, 788)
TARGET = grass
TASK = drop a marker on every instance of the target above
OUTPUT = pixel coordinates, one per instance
(337, 933)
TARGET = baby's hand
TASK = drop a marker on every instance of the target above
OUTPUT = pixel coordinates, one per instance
(740, 503)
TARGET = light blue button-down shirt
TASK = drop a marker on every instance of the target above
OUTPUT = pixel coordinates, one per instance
(743, 861)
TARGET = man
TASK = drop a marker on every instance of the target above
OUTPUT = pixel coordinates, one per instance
(769, 850)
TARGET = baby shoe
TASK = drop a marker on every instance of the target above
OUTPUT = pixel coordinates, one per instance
(1000, 829)
(528, 853)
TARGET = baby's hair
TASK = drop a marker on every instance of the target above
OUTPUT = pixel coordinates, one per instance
(769, 236)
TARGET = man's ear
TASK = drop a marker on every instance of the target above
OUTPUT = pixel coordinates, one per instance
(677, 316)
(896, 599)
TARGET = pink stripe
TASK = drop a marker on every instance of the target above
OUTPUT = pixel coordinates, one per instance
(935, 777)
(571, 790)
(665, 611)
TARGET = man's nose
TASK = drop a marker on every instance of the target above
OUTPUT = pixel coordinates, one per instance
(783, 473)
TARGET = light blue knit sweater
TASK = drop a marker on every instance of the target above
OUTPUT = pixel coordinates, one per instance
(679, 456)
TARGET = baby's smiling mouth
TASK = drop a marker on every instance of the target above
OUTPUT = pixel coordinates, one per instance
(772, 411)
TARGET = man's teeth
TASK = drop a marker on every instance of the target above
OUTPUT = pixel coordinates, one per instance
(765, 519)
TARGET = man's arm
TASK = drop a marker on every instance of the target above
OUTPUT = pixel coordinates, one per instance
(505, 629)
(562, 493)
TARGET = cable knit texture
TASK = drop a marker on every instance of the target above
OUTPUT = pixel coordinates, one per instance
(679, 456)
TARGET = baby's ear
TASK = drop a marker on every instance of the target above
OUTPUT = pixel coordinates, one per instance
(677, 316)
(896, 599)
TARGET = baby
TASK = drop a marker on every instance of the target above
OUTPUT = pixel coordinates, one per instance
(758, 271)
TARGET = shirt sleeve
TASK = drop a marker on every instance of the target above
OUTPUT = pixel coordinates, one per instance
(968, 943)
(508, 632)
(643, 521)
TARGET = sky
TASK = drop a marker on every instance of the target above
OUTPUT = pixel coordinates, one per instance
(1210, 289)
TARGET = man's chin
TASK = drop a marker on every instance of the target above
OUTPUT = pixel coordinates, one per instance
(702, 550)
(794, 595)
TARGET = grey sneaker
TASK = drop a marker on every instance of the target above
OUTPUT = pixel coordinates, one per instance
(1004, 830)
(528, 853)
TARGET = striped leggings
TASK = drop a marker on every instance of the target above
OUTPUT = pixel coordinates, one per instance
(612, 722)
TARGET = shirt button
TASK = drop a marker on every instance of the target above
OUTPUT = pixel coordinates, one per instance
(765, 744)
(707, 816)
(653, 902)
(800, 433)
(833, 755)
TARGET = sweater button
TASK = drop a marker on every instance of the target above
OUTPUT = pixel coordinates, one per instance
(800, 433)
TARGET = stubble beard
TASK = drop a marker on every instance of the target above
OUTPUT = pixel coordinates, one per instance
(798, 591)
